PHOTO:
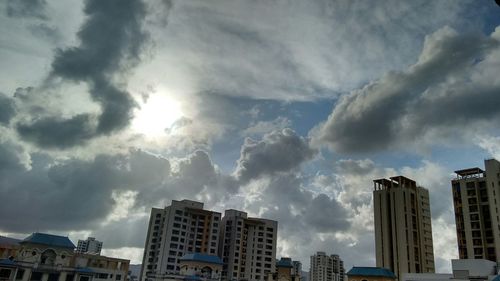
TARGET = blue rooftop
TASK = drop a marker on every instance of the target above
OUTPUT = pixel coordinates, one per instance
(7, 262)
(201, 258)
(284, 263)
(84, 270)
(49, 240)
(496, 278)
(371, 271)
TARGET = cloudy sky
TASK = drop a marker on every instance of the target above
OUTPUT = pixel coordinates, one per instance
(285, 109)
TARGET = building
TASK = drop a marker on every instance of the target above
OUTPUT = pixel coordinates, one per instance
(200, 267)
(248, 246)
(46, 257)
(182, 228)
(8, 247)
(326, 268)
(476, 198)
(285, 271)
(89, 246)
(403, 231)
(358, 273)
(463, 269)
(297, 268)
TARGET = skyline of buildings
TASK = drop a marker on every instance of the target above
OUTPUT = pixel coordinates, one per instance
(403, 230)
(476, 198)
(247, 246)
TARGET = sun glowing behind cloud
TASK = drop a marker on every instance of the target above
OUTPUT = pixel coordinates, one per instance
(155, 115)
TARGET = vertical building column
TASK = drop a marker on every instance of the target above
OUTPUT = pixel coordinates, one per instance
(27, 274)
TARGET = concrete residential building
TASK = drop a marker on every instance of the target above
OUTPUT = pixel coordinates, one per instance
(403, 232)
(326, 268)
(297, 268)
(476, 199)
(89, 246)
(182, 228)
(248, 246)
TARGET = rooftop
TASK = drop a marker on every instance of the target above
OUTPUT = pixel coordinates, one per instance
(49, 240)
(470, 172)
(371, 271)
(284, 262)
(202, 258)
(9, 241)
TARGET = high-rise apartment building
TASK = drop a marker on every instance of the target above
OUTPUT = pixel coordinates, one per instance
(297, 268)
(403, 231)
(181, 228)
(476, 198)
(326, 268)
(89, 246)
(248, 246)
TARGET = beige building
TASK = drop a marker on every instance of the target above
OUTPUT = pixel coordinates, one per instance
(403, 232)
(326, 268)
(248, 246)
(476, 198)
(46, 257)
(183, 227)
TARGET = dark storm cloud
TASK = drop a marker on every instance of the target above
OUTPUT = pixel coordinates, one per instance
(447, 87)
(56, 132)
(111, 41)
(80, 194)
(7, 109)
(278, 151)
(296, 208)
(27, 8)
(12, 158)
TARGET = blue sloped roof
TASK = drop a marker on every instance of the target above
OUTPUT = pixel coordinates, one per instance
(201, 258)
(284, 263)
(371, 271)
(496, 278)
(7, 262)
(50, 240)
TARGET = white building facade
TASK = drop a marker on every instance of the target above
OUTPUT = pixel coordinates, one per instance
(89, 246)
(182, 228)
(325, 267)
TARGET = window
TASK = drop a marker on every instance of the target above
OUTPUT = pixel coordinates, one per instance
(4, 273)
(118, 277)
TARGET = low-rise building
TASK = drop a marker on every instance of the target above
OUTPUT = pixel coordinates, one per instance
(364, 273)
(46, 257)
(203, 267)
(463, 269)
(285, 271)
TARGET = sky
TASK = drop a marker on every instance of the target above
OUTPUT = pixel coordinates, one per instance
(285, 109)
